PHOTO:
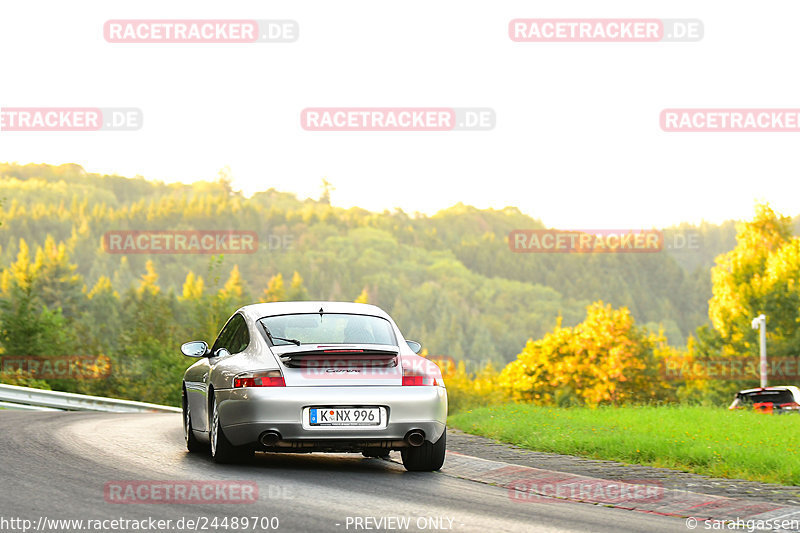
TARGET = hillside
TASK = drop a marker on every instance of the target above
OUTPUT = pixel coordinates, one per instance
(450, 279)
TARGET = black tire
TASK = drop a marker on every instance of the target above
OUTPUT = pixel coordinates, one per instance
(222, 451)
(425, 458)
(192, 444)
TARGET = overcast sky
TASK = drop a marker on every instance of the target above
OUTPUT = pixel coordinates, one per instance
(577, 141)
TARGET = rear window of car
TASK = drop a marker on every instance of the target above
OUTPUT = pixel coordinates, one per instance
(773, 396)
(330, 328)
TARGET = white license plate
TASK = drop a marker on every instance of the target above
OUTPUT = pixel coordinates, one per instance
(344, 416)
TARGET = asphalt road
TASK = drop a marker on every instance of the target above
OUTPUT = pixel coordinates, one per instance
(57, 465)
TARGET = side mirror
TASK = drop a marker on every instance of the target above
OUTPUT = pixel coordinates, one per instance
(415, 346)
(194, 349)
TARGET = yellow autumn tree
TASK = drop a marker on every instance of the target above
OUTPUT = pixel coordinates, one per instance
(363, 298)
(606, 359)
(22, 270)
(233, 288)
(274, 291)
(192, 287)
(760, 275)
(57, 281)
(148, 281)
(467, 390)
(102, 286)
(297, 291)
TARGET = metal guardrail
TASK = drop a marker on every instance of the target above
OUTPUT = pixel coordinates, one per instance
(23, 407)
(13, 397)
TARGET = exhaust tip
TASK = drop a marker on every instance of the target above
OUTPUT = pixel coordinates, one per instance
(269, 438)
(415, 438)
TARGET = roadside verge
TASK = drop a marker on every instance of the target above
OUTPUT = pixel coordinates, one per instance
(643, 489)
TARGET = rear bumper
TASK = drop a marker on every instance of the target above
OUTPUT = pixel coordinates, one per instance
(246, 413)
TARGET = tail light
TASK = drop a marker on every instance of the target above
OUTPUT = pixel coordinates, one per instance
(419, 381)
(791, 406)
(269, 378)
(421, 373)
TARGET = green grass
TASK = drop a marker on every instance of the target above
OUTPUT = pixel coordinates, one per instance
(703, 440)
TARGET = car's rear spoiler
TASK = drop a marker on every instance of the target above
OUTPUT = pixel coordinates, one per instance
(340, 357)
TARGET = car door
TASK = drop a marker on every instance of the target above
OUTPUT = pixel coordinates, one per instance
(197, 392)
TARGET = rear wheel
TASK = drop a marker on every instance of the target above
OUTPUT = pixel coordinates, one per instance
(425, 458)
(192, 444)
(222, 451)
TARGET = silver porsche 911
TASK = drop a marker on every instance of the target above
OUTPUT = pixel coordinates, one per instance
(314, 377)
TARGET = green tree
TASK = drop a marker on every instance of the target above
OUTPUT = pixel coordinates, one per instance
(27, 326)
(56, 279)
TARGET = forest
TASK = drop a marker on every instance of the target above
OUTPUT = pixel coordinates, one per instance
(449, 280)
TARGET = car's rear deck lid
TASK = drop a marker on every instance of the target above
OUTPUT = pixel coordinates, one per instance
(339, 356)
